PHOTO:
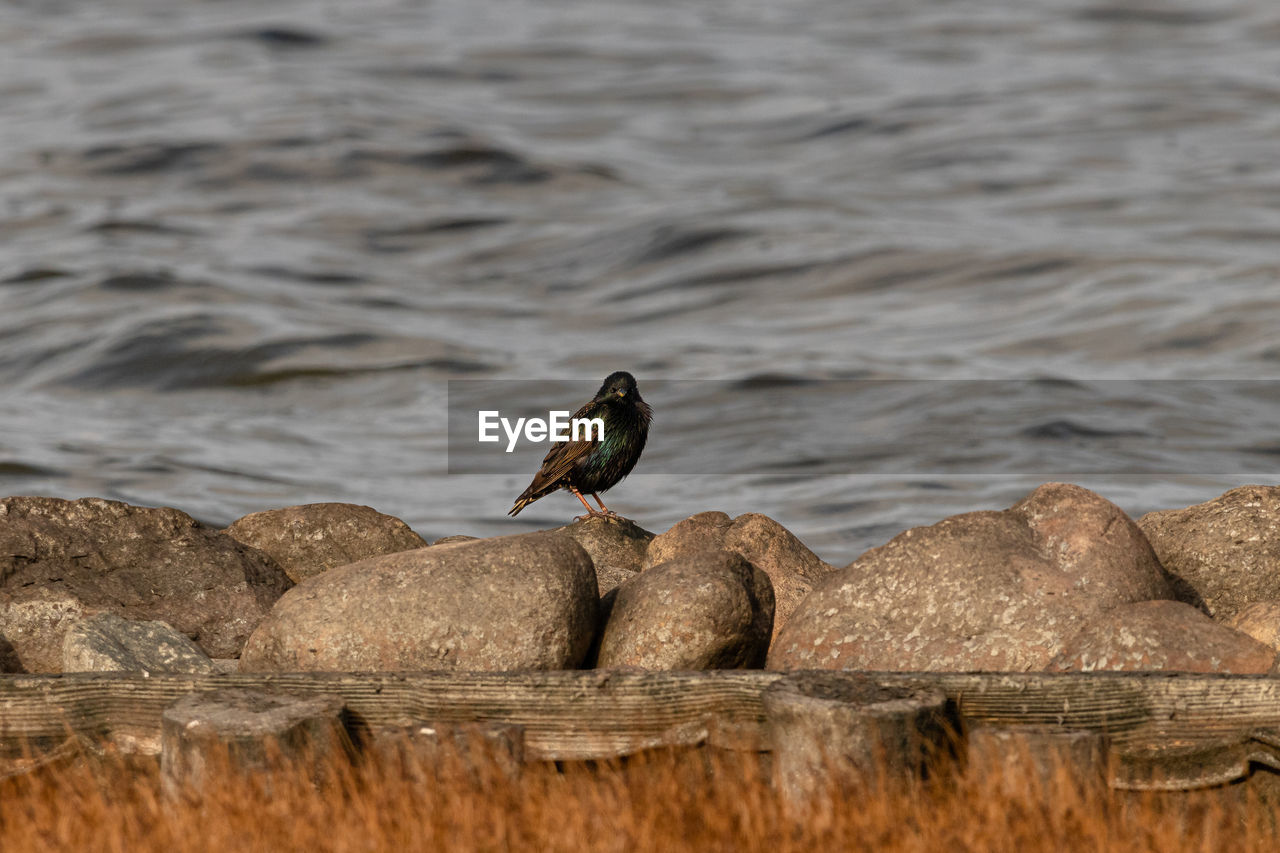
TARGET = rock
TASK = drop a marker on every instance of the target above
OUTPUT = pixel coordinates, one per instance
(1226, 549)
(306, 540)
(710, 610)
(702, 532)
(1161, 635)
(107, 643)
(512, 602)
(457, 537)
(978, 591)
(792, 568)
(617, 547)
(207, 737)
(773, 549)
(610, 579)
(32, 628)
(63, 560)
(1260, 620)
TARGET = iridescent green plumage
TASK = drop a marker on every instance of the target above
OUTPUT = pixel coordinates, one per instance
(593, 466)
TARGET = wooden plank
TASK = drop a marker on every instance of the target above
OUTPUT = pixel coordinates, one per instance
(1192, 730)
(566, 714)
(1167, 730)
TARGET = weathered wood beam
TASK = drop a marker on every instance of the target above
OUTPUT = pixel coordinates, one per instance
(1165, 730)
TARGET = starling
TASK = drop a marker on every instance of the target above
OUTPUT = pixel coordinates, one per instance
(596, 465)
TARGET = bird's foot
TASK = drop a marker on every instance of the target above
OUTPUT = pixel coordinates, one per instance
(597, 514)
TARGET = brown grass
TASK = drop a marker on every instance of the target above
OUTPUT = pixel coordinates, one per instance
(663, 801)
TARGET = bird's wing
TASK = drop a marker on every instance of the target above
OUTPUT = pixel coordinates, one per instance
(562, 456)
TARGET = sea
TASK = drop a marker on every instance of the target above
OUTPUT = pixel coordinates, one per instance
(871, 263)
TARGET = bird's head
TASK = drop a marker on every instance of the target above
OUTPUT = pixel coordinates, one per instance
(618, 386)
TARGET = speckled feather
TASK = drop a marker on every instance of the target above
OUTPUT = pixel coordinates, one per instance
(594, 466)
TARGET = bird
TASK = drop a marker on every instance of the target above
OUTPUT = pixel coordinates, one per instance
(599, 464)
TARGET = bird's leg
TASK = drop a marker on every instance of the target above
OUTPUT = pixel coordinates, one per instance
(604, 509)
(590, 512)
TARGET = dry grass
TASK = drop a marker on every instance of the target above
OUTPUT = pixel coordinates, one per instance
(693, 800)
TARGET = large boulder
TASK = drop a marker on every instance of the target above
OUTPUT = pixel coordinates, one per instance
(511, 602)
(792, 568)
(61, 561)
(107, 643)
(1161, 635)
(33, 626)
(1227, 549)
(306, 540)
(702, 532)
(709, 610)
(978, 591)
(1260, 620)
(617, 547)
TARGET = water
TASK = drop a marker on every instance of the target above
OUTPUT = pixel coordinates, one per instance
(244, 247)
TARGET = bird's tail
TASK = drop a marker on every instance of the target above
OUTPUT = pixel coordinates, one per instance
(521, 503)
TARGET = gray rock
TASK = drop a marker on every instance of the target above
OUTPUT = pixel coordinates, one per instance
(107, 643)
(306, 540)
(978, 591)
(792, 568)
(63, 560)
(511, 602)
(1161, 635)
(1227, 549)
(617, 547)
(710, 610)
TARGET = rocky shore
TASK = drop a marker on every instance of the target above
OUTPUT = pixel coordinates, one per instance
(1061, 581)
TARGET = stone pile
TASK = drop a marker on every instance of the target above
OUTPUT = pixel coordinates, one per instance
(1062, 580)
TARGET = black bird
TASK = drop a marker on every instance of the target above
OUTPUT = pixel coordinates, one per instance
(596, 465)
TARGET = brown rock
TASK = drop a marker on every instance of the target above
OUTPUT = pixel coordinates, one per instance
(1260, 620)
(306, 540)
(511, 602)
(702, 532)
(617, 547)
(1161, 635)
(773, 549)
(978, 591)
(63, 560)
(710, 610)
(1227, 549)
(792, 568)
(457, 537)
(36, 622)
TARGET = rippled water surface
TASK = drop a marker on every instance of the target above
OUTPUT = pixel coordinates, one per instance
(244, 247)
